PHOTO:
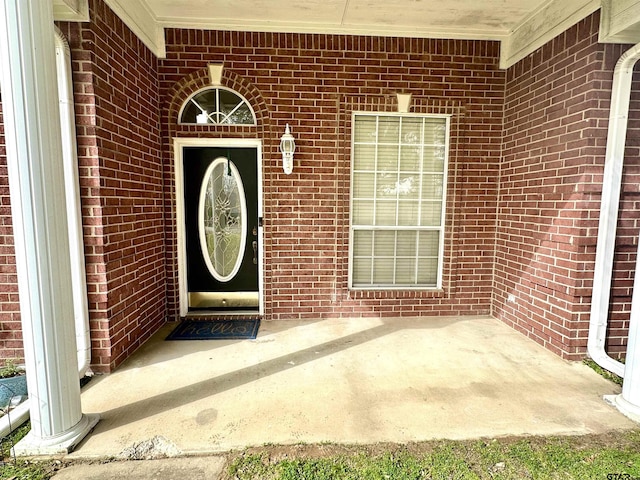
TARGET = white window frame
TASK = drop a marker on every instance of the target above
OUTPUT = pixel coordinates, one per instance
(441, 228)
(216, 90)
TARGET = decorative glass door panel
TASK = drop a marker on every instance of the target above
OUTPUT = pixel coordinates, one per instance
(222, 221)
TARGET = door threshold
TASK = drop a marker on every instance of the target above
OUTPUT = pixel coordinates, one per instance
(209, 315)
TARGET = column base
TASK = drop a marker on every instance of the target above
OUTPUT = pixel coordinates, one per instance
(30, 446)
(629, 410)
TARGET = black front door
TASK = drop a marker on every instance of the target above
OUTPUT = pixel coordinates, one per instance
(221, 224)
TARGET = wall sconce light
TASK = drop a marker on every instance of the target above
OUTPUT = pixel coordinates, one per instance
(287, 147)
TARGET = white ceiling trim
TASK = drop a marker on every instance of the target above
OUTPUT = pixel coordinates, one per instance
(542, 26)
(332, 28)
(71, 10)
(620, 21)
(136, 15)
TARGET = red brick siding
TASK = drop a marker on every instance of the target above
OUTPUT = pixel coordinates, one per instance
(525, 174)
(10, 327)
(555, 127)
(117, 115)
(314, 82)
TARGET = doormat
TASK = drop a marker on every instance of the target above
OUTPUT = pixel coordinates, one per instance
(215, 330)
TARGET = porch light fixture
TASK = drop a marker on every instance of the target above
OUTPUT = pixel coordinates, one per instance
(287, 147)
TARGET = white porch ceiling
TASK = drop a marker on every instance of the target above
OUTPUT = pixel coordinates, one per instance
(485, 19)
(521, 26)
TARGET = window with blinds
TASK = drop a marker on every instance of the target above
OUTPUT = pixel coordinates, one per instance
(398, 192)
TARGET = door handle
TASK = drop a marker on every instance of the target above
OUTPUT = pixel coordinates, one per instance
(255, 252)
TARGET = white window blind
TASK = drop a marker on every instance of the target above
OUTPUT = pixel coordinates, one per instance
(398, 192)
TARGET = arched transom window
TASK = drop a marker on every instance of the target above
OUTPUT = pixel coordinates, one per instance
(219, 106)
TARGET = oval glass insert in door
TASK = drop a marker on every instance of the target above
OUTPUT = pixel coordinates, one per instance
(222, 219)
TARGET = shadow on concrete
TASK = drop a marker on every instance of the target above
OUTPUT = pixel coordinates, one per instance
(175, 398)
(184, 347)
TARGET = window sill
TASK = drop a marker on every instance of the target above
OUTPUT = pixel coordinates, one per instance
(356, 293)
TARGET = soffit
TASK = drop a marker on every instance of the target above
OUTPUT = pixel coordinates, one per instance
(521, 26)
(487, 19)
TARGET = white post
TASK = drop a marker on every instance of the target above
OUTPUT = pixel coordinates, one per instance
(628, 402)
(36, 182)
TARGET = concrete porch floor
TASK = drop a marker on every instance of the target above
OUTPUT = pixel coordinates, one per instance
(345, 381)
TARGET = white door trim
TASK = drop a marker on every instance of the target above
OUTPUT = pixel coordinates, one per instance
(178, 145)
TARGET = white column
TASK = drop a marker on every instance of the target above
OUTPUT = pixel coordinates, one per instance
(628, 402)
(36, 182)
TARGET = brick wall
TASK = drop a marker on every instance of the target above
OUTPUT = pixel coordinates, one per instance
(10, 327)
(525, 173)
(314, 82)
(122, 190)
(556, 115)
(117, 115)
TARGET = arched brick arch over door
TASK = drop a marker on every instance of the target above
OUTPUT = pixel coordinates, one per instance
(264, 130)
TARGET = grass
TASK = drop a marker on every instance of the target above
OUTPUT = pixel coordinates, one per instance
(26, 471)
(601, 371)
(595, 457)
(21, 469)
(614, 455)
